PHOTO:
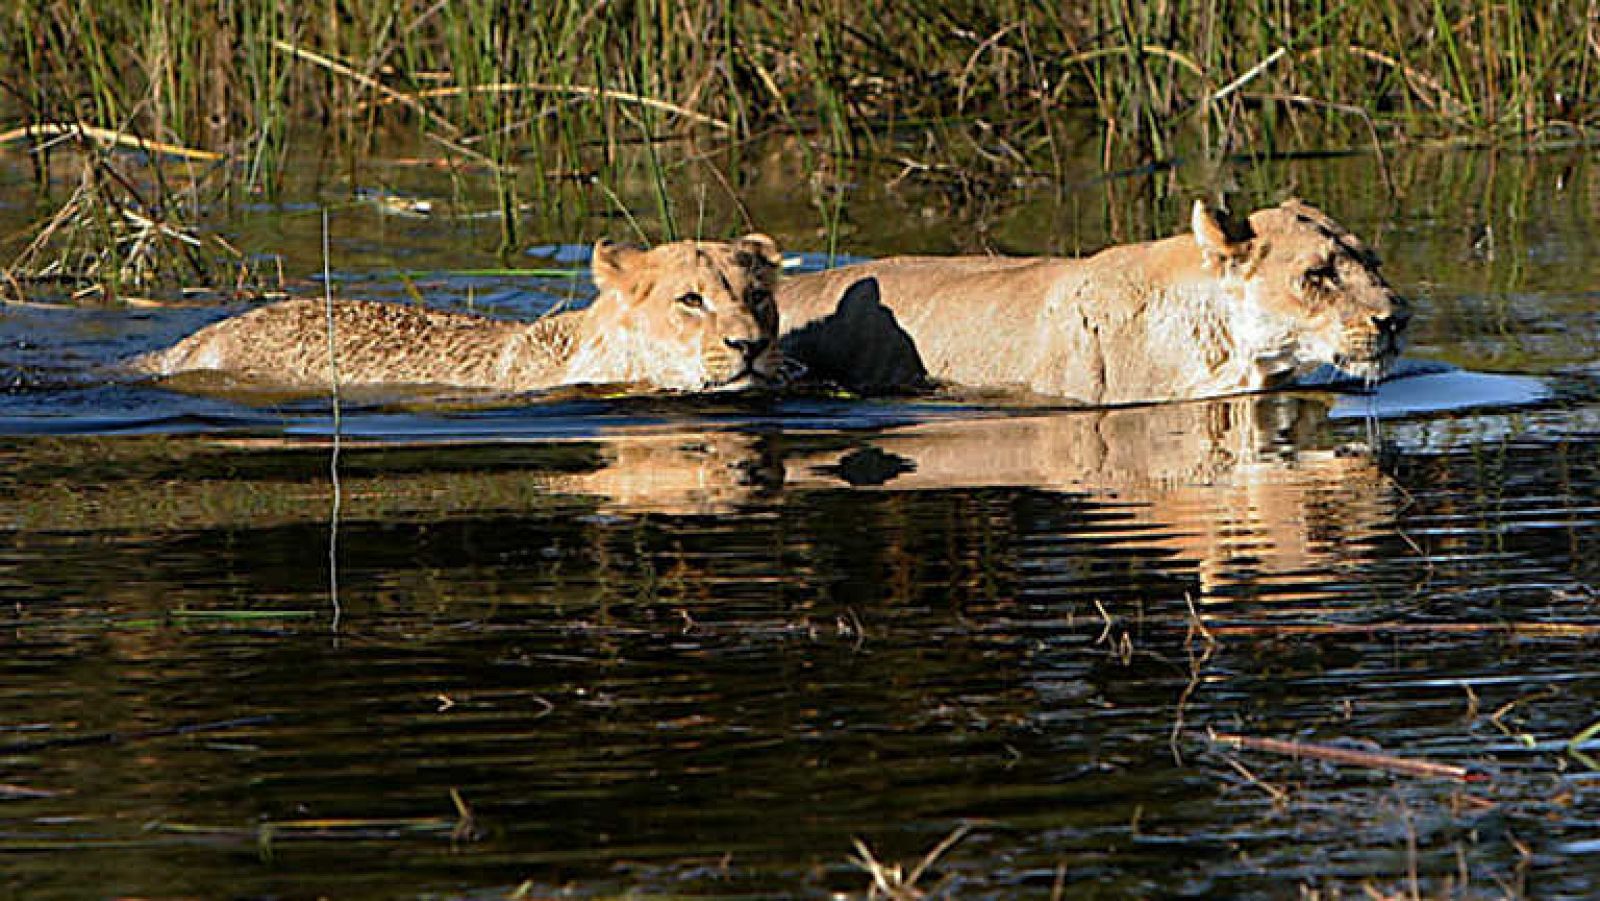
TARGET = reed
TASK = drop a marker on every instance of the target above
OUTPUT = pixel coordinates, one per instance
(538, 92)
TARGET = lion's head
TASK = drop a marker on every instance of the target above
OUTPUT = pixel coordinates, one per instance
(687, 316)
(1312, 292)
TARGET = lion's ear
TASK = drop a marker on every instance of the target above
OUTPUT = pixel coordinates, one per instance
(1219, 239)
(762, 246)
(610, 264)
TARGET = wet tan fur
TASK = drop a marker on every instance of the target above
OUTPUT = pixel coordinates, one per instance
(1201, 314)
(638, 331)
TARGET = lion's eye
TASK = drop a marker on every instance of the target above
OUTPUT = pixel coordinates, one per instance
(1324, 276)
(692, 301)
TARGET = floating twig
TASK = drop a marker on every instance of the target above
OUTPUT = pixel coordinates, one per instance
(1576, 745)
(350, 828)
(1351, 757)
(110, 738)
(1274, 792)
(1516, 628)
(10, 792)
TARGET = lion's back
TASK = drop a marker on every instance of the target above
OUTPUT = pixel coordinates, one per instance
(287, 343)
(897, 323)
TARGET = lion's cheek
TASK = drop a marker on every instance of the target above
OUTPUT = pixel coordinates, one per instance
(671, 352)
(1261, 329)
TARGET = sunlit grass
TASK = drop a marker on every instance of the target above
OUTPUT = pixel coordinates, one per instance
(545, 89)
(551, 109)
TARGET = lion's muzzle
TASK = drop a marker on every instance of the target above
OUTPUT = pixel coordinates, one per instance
(1392, 328)
(1372, 343)
(755, 361)
(749, 348)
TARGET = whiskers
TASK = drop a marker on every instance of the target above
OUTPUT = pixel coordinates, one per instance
(1368, 357)
(730, 369)
(1365, 370)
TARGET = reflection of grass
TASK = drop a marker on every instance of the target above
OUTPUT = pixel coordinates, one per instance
(168, 619)
(128, 485)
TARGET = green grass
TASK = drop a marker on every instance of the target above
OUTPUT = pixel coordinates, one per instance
(559, 86)
(970, 95)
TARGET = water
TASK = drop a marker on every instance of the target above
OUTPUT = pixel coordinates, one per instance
(697, 647)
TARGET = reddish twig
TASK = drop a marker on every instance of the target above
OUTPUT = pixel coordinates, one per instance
(1352, 757)
(1524, 628)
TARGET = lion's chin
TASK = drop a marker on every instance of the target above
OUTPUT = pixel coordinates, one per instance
(1368, 369)
(743, 380)
(1367, 359)
(1370, 358)
(736, 383)
(764, 372)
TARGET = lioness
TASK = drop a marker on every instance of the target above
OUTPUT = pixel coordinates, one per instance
(1214, 312)
(686, 316)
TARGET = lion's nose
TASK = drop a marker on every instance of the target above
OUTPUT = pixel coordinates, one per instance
(750, 348)
(1392, 324)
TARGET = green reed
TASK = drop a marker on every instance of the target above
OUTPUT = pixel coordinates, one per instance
(539, 92)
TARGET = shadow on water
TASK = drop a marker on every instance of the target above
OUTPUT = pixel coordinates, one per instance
(697, 646)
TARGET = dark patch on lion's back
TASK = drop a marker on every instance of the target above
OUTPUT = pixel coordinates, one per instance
(859, 345)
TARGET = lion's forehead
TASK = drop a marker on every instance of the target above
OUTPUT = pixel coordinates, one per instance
(1358, 289)
(1305, 231)
(707, 269)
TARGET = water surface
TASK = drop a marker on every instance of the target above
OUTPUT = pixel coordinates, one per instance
(697, 647)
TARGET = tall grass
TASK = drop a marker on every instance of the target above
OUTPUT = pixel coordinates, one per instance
(969, 93)
(558, 82)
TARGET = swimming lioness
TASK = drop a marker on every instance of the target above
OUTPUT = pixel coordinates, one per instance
(1206, 313)
(686, 316)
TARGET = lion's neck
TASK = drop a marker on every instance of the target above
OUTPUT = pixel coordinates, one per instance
(569, 347)
(539, 354)
(1171, 328)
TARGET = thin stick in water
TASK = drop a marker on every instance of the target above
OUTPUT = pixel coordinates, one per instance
(333, 460)
(1352, 757)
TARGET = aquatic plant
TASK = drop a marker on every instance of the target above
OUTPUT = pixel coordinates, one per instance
(127, 228)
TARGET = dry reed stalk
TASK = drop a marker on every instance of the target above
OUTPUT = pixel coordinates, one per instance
(577, 90)
(107, 136)
(1311, 629)
(1352, 757)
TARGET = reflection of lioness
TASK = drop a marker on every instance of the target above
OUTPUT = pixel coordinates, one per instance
(683, 316)
(1216, 312)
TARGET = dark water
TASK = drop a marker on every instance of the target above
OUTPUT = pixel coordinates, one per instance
(699, 647)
